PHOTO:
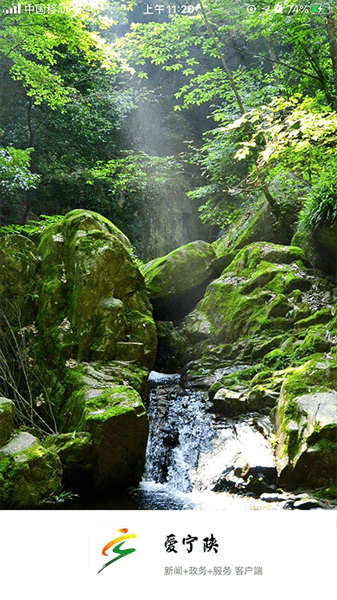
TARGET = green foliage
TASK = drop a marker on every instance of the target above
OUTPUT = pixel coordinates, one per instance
(294, 141)
(59, 98)
(228, 189)
(277, 54)
(295, 133)
(15, 173)
(136, 170)
(320, 206)
(34, 42)
(64, 497)
(272, 78)
(134, 178)
(32, 226)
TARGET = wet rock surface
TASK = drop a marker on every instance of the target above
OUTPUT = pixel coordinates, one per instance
(264, 339)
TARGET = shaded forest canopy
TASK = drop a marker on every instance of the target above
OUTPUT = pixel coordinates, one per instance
(105, 104)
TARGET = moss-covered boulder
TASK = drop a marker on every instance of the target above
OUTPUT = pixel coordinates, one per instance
(265, 307)
(75, 451)
(105, 401)
(28, 472)
(259, 225)
(118, 423)
(228, 403)
(306, 424)
(320, 246)
(92, 293)
(7, 413)
(91, 333)
(251, 294)
(86, 381)
(178, 280)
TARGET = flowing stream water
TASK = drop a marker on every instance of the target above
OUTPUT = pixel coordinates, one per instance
(198, 459)
(189, 449)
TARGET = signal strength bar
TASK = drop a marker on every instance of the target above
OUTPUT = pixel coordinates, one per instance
(14, 10)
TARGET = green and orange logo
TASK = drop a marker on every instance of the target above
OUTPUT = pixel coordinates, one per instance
(118, 549)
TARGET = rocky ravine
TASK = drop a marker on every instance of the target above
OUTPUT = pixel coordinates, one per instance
(255, 327)
(269, 323)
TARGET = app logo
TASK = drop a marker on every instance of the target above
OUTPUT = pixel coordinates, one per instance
(121, 552)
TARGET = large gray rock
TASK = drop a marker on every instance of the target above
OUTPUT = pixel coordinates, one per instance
(239, 456)
(118, 423)
(320, 247)
(228, 403)
(89, 351)
(260, 226)
(28, 472)
(239, 302)
(306, 426)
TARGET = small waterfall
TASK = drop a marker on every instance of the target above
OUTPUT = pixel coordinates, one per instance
(192, 453)
(180, 428)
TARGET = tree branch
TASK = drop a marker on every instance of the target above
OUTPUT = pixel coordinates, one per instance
(223, 60)
(269, 59)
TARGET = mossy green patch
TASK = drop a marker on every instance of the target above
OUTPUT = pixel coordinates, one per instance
(314, 342)
(29, 476)
(249, 298)
(320, 317)
(108, 413)
(277, 358)
(182, 269)
(110, 403)
(87, 220)
(304, 409)
(326, 493)
(295, 280)
(316, 374)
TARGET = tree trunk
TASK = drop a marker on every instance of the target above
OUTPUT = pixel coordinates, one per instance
(332, 32)
(223, 60)
(28, 196)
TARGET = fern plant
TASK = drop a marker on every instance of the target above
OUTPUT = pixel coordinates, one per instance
(33, 226)
(320, 206)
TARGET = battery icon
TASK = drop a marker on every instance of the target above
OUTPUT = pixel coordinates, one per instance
(319, 9)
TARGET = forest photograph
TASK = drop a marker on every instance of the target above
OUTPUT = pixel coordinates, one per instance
(168, 255)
